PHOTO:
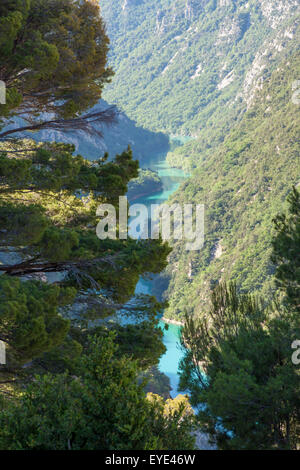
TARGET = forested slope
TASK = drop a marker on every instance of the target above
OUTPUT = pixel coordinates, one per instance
(222, 71)
(178, 64)
(72, 376)
(243, 183)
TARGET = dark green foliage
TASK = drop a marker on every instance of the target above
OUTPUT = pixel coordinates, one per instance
(30, 322)
(54, 167)
(53, 56)
(238, 361)
(103, 408)
(48, 202)
(53, 230)
(286, 252)
(239, 371)
(156, 382)
(142, 342)
(58, 279)
(54, 60)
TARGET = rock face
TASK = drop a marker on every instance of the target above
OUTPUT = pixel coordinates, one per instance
(267, 54)
(174, 52)
(225, 3)
(276, 11)
(202, 442)
(115, 140)
(229, 32)
(160, 22)
(167, 18)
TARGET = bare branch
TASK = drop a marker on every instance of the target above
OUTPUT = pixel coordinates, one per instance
(83, 123)
(28, 267)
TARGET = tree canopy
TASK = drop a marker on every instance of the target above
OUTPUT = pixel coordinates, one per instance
(53, 60)
(103, 408)
(238, 360)
(73, 372)
(48, 201)
(286, 252)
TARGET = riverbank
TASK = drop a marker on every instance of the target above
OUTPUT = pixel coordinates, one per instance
(147, 183)
(172, 322)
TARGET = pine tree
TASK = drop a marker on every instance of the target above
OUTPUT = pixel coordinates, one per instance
(48, 201)
(53, 59)
(102, 408)
(238, 360)
(238, 369)
(286, 252)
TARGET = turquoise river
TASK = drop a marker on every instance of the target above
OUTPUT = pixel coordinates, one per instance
(171, 179)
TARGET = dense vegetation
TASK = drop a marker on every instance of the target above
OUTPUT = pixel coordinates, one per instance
(103, 408)
(53, 60)
(179, 64)
(224, 72)
(243, 183)
(249, 395)
(78, 374)
(62, 290)
(198, 67)
(146, 183)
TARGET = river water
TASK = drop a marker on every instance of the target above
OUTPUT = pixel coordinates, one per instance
(171, 179)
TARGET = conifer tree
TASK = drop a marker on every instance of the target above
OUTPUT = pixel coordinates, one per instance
(286, 252)
(238, 360)
(48, 201)
(102, 408)
(240, 375)
(53, 60)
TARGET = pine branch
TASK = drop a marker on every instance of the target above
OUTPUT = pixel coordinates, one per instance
(83, 123)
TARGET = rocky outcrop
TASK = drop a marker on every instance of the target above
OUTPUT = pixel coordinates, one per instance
(232, 30)
(226, 80)
(165, 19)
(258, 71)
(161, 22)
(276, 11)
(203, 442)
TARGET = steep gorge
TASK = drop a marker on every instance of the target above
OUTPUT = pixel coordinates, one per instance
(220, 71)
